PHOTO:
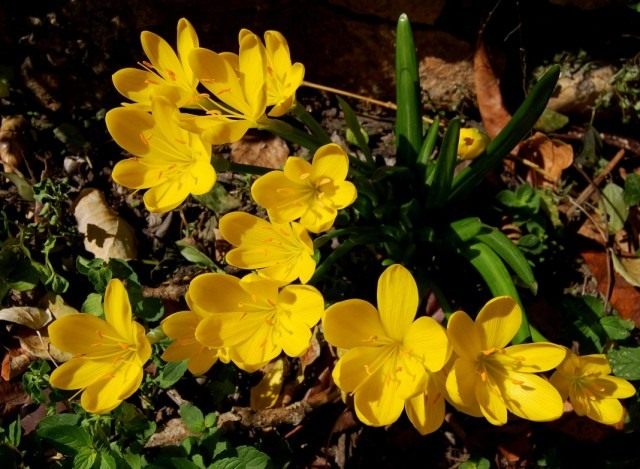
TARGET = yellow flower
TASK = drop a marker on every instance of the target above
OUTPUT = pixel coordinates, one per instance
(586, 381)
(107, 355)
(471, 143)
(238, 83)
(255, 320)
(426, 410)
(168, 160)
(283, 78)
(389, 354)
(311, 192)
(279, 251)
(488, 377)
(167, 74)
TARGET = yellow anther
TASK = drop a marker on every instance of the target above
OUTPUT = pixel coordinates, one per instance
(304, 176)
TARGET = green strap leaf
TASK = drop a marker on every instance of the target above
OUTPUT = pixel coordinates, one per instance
(408, 121)
(510, 254)
(497, 278)
(443, 174)
(428, 145)
(356, 129)
(517, 128)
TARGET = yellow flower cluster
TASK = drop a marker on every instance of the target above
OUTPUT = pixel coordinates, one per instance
(172, 149)
(393, 362)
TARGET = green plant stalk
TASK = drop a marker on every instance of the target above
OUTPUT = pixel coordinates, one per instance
(517, 128)
(353, 124)
(426, 150)
(311, 123)
(291, 134)
(222, 165)
(408, 121)
(497, 278)
(445, 166)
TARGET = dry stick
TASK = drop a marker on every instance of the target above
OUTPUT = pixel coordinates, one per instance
(532, 165)
(593, 185)
(625, 143)
(377, 102)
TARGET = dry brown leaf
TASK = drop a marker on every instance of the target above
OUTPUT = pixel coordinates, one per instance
(11, 145)
(59, 308)
(12, 396)
(553, 156)
(260, 149)
(40, 346)
(494, 114)
(34, 318)
(106, 235)
(173, 433)
(625, 298)
(15, 362)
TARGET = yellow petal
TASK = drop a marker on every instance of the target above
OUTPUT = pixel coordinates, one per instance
(304, 303)
(561, 382)
(126, 125)
(498, 321)
(596, 364)
(143, 346)
(292, 335)
(180, 324)
(252, 67)
(285, 200)
(614, 387)
(79, 373)
(305, 268)
(344, 195)
(492, 404)
(106, 394)
(531, 358)
(297, 170)
(166, 196)
(376, 402)
(330, 161)
(426, 410)
(135, 174)
(163, 58)
(266, 393)
(204, 177)
(135, 84)
(166, 123)
(234, 227)
(202, 361)
(606, 411)
(357, 365)
(353, 323)
(318, 217)
(278, 51)
(461, 383)
(117, 310)
(80, 333)
(464, 336)
(397, 300)
(187, 41)
(427, 341)
(219, 77)
(216, 293)
(531, 397)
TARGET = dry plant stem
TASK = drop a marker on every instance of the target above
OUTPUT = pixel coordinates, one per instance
(593, 185)
(366, 99)
(605, 240)
(165, 292)
(626, 143)
(530, 164)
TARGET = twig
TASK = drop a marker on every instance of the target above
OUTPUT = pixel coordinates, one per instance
(366, 99)
(593, 185)
(625, 143)
(165, 292)
(532, 165)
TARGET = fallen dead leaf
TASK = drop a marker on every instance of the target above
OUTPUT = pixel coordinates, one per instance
(34, 318)
(173, 433)
(15, 362)
(40, 346)
(11, 144)
(12, 396)
(106, 235)
(625, 298)
(492, 110)
(553, 156)
(260, 149)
